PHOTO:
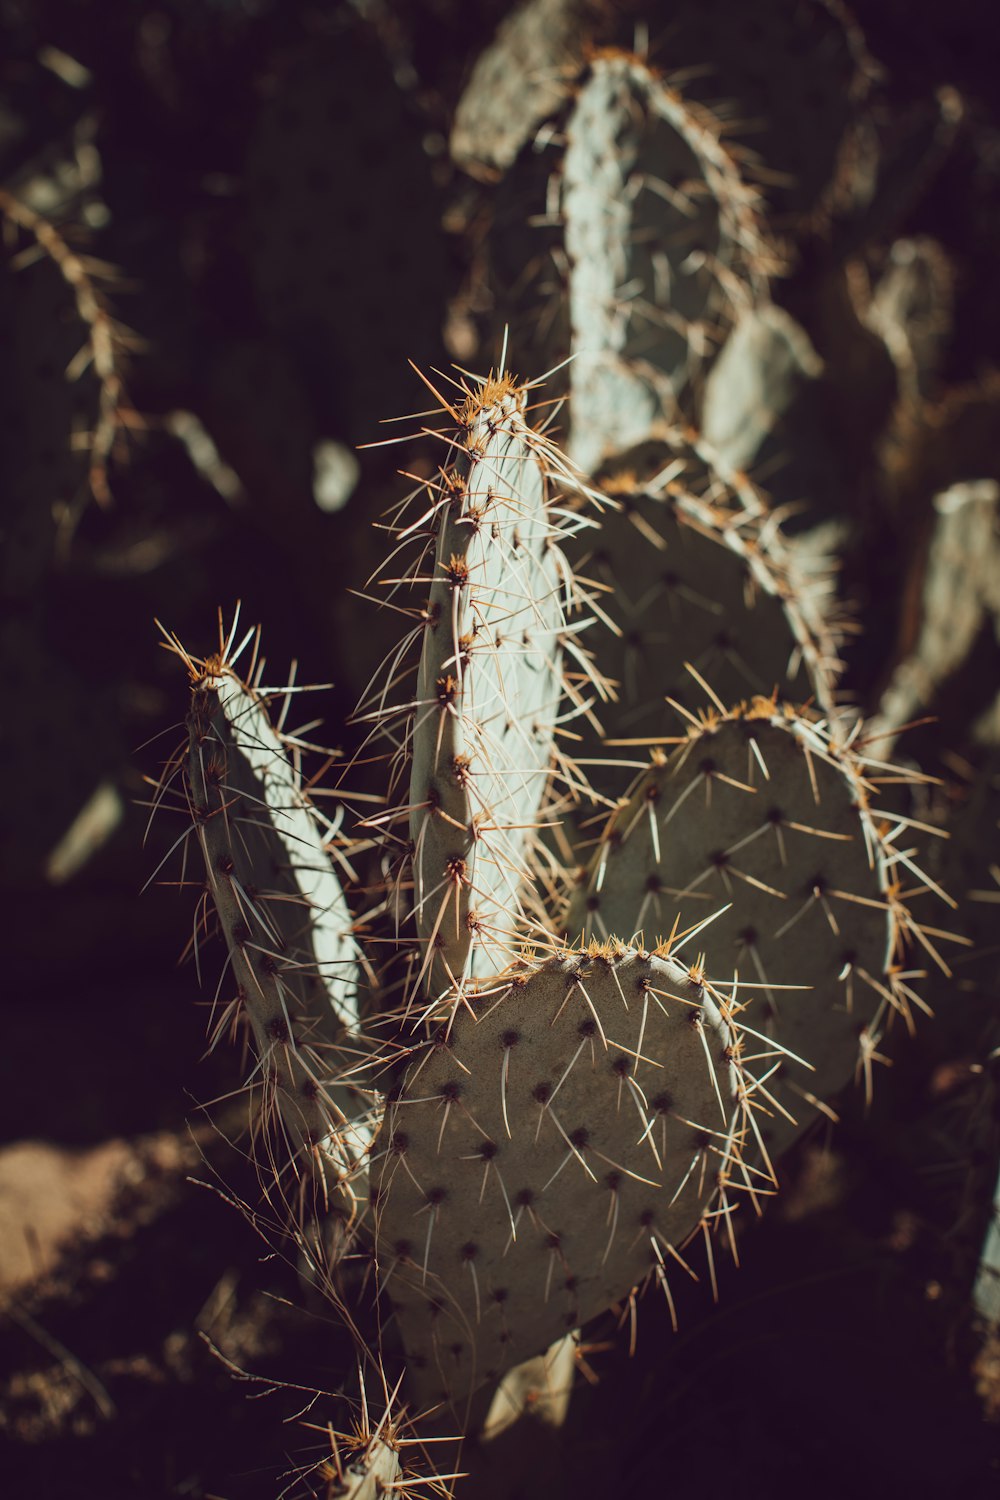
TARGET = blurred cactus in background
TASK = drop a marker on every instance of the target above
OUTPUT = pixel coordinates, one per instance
(615, 1002)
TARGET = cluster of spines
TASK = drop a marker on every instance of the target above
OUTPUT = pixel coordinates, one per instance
(372, 1459)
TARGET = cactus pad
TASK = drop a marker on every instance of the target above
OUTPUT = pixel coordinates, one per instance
(700, 573)
(489, 685)
(285, 920)
(759, 811)
(560, 1142)
(662, 238)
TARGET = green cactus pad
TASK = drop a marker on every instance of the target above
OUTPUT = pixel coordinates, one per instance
(701, 574)
(557, 1144)
(286, 924)
(662, 238)
(489, 687)
(760, 812)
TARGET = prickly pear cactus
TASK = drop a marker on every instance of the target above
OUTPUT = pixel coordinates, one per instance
(288, 930)
(662, 240)
(562, 1139)
(480, 732)
(762, 822)
(699, 575)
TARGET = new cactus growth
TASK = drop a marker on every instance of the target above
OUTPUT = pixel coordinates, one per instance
(760, 809)
(559, 1141)
(288, 931)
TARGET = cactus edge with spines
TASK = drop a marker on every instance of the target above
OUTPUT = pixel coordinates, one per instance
(699, 571)
(658, 247)
(274, 885)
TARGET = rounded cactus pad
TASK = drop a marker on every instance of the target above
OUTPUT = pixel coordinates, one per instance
(757, 812)
(560, 1141)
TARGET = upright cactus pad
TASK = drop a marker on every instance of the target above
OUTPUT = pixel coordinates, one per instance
(481, 727)
(759, 812)
(560, 1141)
(662, 239)
(286, 925)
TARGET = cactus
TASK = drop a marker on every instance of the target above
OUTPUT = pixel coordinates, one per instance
(753, 387)
(701, 574)
(481, 729)
(288, 931)
(959, 605)
(561, 1141)
(662, 240)
(627, 186)
(657, 245)
(372, 1459)
(760, 809)
(560, 1128)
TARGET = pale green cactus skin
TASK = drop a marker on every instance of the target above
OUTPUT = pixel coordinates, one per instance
(547, 1152)
(662, 240)
(488, 693)
(764, 364)
(288, 931)
(762, 822)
